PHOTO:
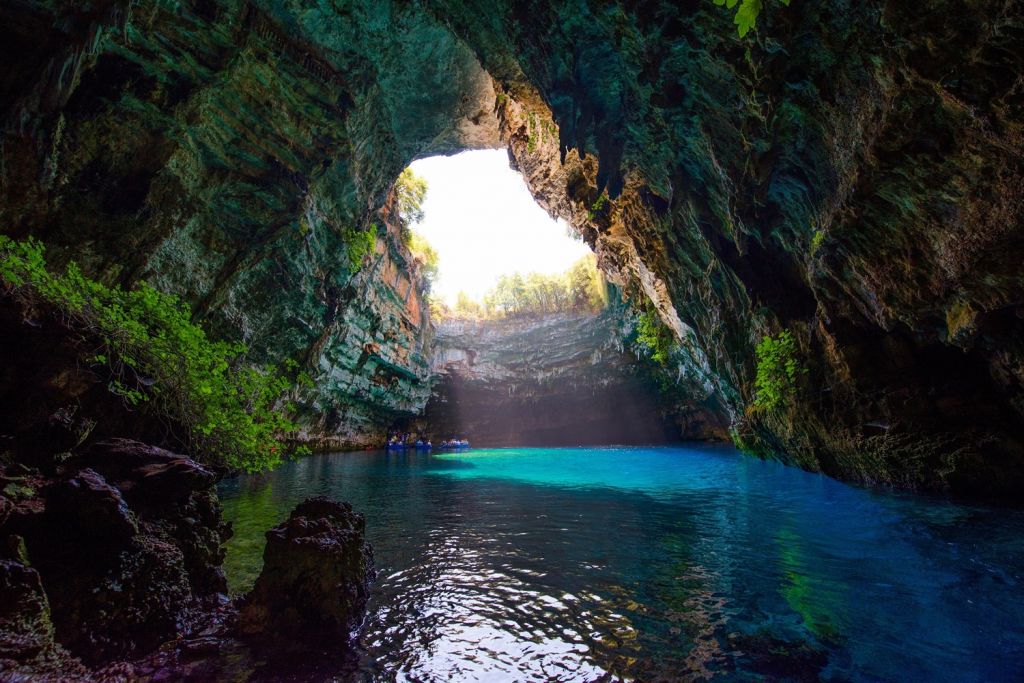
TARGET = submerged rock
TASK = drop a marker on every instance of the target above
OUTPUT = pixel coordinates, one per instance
(315, 580)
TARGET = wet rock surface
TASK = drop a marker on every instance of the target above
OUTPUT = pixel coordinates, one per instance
(315, 579)
(850, 172)
(119, 579)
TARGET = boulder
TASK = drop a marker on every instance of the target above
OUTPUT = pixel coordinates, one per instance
(315, 579)
(148, 475)
(86, 506)
(25, 628)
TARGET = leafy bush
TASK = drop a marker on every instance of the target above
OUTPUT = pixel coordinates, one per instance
(360, 243)
(817, 239)
(597, 206)
(654, 335)
(424, 252)
(157, 358)
(746, 14)
(777, 371)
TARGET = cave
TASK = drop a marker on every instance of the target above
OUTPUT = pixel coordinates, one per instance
(809, 219)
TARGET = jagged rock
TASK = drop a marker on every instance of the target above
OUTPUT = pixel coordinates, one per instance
(114, 586)
(122, 573)
(25, 627)
(315, 579)
(148, 475)
(87, 507)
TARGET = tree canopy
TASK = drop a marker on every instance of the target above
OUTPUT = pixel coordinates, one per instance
(410, 193)
(581, 288)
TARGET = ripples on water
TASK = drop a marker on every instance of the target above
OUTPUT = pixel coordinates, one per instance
(656, 564)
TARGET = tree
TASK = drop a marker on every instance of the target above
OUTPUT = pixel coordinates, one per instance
(586, 286)
(466, 307)
(410, 193)
(424, 252)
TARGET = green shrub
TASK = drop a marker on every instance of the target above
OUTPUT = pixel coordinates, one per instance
(777, 371)
(816, 241)
(746, 14)
(424, 252)
(654, 335)
(157, 358)
(597, 206)
(359, 243)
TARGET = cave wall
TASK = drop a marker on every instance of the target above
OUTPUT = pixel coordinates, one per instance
(227, 152)
(556, 380)
(849, 171)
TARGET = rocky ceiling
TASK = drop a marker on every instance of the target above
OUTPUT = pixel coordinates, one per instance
(849, 171)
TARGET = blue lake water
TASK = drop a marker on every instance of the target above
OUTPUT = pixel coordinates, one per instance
(669, 563)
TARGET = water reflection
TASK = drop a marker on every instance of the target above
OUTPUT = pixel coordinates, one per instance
(655, 564)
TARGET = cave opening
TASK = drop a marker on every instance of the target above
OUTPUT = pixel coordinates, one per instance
(479, 223)
(527, 333)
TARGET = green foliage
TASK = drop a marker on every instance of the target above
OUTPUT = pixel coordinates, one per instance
(653, 335)
(539, 131)
(587, 287)
(597, 206)
(816, 241)
(580, 288)
(410, 192)
(746, 14)
(360, 244)
(424, 252)
(465, 307)
(160, 361)
(777, 371)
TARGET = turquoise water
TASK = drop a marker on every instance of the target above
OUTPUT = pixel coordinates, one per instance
(672, 563)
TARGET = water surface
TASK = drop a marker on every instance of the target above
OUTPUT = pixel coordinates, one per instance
(656, 564)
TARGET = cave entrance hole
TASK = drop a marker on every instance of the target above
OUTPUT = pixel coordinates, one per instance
(493, 251)
(523, 343)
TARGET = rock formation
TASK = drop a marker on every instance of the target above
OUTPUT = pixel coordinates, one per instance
(850, 172)
(560, 379)
(315, 579)
(108, 563)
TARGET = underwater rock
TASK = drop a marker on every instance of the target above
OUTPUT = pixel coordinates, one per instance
(315, 580)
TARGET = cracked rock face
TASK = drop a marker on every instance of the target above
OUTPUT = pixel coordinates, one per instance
(560, 379)
(851, 172)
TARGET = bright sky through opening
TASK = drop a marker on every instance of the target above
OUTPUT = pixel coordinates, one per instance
(483, 223)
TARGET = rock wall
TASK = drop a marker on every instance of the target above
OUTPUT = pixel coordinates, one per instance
(851, 172)
(227, 152)
(560, 379)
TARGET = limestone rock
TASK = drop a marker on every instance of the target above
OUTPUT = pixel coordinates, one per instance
(850, 172)
(25, 627)
(315, 579)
